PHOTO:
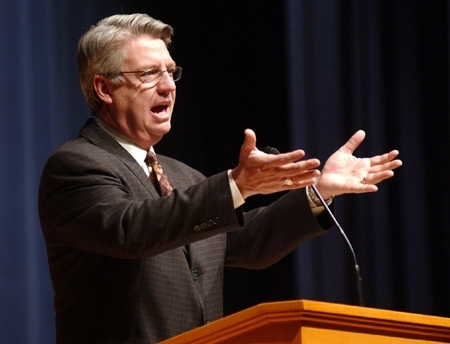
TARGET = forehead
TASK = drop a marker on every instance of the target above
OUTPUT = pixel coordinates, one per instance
(146, 51)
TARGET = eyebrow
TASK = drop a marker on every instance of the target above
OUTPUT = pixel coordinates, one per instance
(154, 66)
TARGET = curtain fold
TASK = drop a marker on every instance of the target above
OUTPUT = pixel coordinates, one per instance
(381, 67)
(41, 106)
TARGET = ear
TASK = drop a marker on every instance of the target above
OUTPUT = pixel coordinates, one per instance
(102, 88)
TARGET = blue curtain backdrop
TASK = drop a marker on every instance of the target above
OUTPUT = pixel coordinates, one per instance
(381, 66)
(302, 74)
(41, 107)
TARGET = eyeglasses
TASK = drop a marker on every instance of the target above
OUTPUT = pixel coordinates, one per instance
(152, 77)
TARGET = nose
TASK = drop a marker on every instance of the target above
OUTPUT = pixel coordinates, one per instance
(166, 82)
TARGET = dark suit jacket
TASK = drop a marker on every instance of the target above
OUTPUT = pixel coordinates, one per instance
(119, 263)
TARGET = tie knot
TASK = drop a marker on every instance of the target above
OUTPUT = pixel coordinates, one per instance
(151, 158)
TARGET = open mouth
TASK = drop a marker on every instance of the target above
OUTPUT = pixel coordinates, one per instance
(159, 109)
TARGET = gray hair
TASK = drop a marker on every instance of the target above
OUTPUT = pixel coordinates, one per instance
(100, 49)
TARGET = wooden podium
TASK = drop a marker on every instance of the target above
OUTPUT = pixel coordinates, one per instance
(311, 322)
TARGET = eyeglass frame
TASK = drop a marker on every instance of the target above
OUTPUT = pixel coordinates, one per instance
(171, 71)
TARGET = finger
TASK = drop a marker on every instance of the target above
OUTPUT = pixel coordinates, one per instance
(249, 141)
(365, 188)
(365, 185)
(375, 178)
(302, 181)
(392, 165)
(290, 160)
(353, 143)
(381, 159)
(300, 167)
(389, 166)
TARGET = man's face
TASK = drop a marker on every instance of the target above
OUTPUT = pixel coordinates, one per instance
(140, 112)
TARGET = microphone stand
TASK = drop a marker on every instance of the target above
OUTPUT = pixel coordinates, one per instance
(357, 271)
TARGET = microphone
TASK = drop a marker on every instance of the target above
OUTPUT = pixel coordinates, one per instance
(357, 271)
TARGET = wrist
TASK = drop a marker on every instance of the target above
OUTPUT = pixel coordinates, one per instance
(314, 199)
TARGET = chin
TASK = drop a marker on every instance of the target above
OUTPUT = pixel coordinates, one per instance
(157, 135)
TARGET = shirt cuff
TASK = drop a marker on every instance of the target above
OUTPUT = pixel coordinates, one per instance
(238, 200)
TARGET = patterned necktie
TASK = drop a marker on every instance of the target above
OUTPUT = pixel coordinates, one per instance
(165, 189)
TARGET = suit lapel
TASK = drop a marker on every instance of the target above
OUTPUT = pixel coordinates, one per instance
(100, 138)
(97, 136)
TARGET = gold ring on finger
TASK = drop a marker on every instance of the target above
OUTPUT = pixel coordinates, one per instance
(288, 181)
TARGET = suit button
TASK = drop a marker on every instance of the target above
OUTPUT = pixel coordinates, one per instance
(197, 228)
(195, 275)
(203, 226)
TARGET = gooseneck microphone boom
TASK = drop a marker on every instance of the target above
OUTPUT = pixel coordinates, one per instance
(357, 271)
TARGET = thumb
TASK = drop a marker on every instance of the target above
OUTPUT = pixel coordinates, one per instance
(249, 141)
(353, 143)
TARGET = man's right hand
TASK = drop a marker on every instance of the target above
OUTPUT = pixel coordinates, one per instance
(261, 173)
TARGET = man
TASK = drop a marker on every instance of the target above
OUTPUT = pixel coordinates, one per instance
(135, 263)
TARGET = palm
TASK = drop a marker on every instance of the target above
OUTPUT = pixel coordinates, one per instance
(344, 173)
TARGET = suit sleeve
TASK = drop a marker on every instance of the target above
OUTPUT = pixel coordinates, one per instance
(272, 232)
(93, 202)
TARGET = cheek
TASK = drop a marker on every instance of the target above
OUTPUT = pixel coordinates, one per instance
(173, 99)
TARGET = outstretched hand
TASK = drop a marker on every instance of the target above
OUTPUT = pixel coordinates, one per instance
(261, 173)
(344, 173)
